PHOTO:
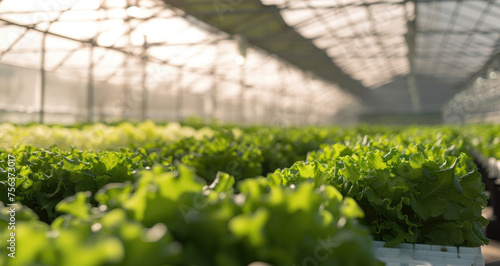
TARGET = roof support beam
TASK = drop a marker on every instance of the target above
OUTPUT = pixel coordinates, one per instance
(324, 67)
(92, 42)
(277, 9)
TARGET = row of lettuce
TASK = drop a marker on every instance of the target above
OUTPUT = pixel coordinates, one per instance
(174, 195)
(485, 139)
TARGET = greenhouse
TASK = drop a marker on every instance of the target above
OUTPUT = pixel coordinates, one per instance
(250, 132)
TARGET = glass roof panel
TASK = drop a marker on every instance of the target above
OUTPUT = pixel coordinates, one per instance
(356, 34)
(455, 39)
(366, 41)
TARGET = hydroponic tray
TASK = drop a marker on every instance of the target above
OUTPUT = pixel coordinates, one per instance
(427, 255)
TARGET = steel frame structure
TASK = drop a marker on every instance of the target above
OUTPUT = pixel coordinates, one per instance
(354, 45)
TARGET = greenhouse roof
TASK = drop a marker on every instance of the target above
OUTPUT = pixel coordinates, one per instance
(372, 41)
(263, 26)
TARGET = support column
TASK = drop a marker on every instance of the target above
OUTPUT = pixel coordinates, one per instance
(43, 81)
(310, 98)
(214, 93)
(144, 97)
(126, 90)
(410, 40)
(242, 46)
(90, 86)
(144, 79)
(243, 89)
(280, 107)
(180, 95)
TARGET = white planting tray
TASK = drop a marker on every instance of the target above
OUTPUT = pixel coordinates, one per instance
(427, 255)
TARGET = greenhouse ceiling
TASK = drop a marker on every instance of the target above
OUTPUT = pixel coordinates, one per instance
(371, 41)
(124, 59)
(393, 55)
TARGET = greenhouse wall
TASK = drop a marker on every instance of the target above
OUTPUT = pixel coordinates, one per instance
(61, 65)
(478, 99)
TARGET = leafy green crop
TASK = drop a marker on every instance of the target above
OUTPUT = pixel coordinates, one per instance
(484, 138)
(421, 196)
(45, 177)
(174, 218)
(148, 194)
(221, 152)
